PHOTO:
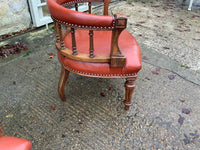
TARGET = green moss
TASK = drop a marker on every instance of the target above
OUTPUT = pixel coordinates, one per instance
(183, 66)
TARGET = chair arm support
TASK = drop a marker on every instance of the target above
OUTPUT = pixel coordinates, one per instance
(118, 59)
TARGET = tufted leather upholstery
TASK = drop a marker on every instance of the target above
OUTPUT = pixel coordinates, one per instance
(13, 143)
(102, 42)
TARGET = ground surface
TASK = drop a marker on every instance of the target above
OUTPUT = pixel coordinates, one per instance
(166, 101)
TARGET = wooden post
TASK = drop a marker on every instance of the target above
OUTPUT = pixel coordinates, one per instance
(62, 45)
(91, 44)
(74, 50)
(76, 6)
(106, 5)
(56, 32)
(90, 9)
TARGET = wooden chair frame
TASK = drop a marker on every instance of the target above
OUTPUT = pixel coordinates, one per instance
(116, 57)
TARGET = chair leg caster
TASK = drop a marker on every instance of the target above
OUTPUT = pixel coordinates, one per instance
(61, 85)
(129, 88)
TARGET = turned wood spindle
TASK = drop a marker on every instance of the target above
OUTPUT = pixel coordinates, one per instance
(74, 50)
(76, 6)
(57, 32)
(90, 9)
(62, 45)
(106, 5)
(91, 44)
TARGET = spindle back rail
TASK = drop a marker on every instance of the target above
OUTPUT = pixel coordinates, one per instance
(62, 28)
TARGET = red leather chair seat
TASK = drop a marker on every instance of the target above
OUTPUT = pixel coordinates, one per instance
(127, 44)
(13, 143)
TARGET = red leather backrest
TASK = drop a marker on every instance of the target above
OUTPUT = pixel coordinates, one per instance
(74, 18)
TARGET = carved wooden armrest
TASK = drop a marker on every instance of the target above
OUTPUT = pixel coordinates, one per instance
(118, 59)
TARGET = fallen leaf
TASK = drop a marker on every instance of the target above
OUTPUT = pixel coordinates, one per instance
(171, 77)
(147, 78)
(155, 5)
(102, 94)
(145, 58)
(196, 39)
(10, 49)
(80, 123)
(182, 100)
(138, 25)
(9, 116)
(157, 69)
(155, 72)
(63, 136)
(166, 47)
(181, 120)
(185, 111)
(51, 55)
(77, 131)
(53, 107)
(25, 48)
(186, 140)
(187, 30)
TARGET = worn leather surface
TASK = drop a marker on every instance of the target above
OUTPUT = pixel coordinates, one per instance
(13, 143)
(70, 16)
(102, 44)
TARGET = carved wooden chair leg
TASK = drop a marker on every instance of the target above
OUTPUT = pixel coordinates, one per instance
(129, 87)
(61, 85)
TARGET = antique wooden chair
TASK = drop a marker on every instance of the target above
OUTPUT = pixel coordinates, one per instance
(94, 45)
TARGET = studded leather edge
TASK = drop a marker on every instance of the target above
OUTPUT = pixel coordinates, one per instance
(100, 75)
(84, 27)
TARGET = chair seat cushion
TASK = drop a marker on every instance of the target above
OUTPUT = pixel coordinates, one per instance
(13, 143)
(102, 45)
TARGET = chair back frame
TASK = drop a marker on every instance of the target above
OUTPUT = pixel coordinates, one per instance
(119, 23)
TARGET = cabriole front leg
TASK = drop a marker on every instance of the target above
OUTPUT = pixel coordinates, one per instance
(129, 88)
(61, 85)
